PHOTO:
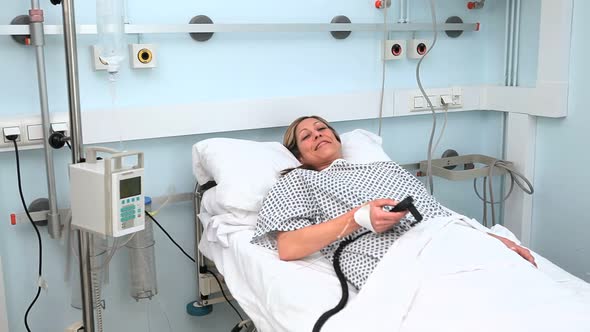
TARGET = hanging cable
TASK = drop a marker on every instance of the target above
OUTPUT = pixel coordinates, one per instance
(193, 260)
(385, 36)
(225, 296)
(485, 205)
(515, 177)
(429, 183)
(170, 237)
(343, 284)
(40, 264)
(442, 131)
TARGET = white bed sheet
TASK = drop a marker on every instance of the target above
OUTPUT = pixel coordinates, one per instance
(290, 296)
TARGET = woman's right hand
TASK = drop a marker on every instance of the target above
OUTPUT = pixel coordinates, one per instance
(383, 220)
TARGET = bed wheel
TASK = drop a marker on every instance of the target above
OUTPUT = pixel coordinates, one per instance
(194, 310)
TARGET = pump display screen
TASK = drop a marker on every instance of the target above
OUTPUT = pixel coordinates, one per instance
(130, 187)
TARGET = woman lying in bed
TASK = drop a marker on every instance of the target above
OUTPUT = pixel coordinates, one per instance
(323, 202)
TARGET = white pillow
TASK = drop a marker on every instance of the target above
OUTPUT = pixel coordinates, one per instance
(360, 146)
(244, 170)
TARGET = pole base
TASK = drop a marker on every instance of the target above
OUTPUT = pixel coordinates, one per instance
(193, 309)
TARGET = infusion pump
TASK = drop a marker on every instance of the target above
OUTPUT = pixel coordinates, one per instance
(106, 197)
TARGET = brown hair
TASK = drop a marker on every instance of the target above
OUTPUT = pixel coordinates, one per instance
(290, 138)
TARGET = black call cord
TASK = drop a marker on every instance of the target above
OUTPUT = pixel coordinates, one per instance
(13, 138)
(405, 205)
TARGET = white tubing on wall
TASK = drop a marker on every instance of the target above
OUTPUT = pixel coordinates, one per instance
(550, 95)
(510, 42)
(516, 43)
(508, 49)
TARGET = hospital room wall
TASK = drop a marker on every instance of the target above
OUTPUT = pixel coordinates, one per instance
(230, 65)
(169, 163)
(274, 65)
(561, 230)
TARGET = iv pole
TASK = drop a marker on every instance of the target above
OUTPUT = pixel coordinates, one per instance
(85, 239)
(38, 42)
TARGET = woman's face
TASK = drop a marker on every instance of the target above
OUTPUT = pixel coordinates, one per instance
(317, 143)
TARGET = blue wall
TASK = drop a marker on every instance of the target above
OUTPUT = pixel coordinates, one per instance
(562, 233)
(229, 67)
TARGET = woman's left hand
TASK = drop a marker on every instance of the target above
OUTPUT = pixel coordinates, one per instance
(522, 251)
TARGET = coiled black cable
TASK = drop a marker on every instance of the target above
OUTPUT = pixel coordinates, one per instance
(40, 267)
(343, 284)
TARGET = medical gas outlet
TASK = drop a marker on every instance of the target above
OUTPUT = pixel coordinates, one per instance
(142, 56)
(379, 4)
(394, 49)
(417, 48)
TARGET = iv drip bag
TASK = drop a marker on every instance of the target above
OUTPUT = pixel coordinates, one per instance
(111, 33)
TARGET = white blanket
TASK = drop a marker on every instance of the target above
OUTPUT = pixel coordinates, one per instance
(289, 296)
(448, 275)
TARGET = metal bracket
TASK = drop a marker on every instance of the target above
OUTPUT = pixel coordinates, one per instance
(440, 167)
(19, 218)
(207, 286)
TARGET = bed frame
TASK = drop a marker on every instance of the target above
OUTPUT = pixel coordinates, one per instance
(208, 291)
(207, 287)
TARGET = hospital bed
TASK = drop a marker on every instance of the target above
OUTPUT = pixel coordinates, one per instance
(290, 296)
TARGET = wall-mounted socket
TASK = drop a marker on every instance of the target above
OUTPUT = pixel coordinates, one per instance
(143, 55)
(60, 127)
(418, 47)
(97, 65)
(30, 130)
(440, 98)
(34, 131)
(9, 130)
(411, 101)
(393, 49)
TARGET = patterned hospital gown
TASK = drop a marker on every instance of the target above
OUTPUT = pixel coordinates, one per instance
(306, 197)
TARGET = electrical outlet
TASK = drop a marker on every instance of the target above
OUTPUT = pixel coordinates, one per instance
(143, 55)
(60, 127)
(394, 49)
(411, 101)
(417, 48)
(31, 130)
(96, 63)
(11, 131)
(447, 98)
